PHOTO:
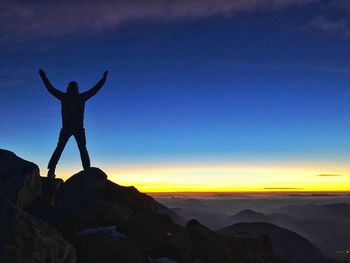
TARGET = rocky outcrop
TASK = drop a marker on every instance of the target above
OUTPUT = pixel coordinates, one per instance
(84, 208)
(206, 245)
(83, 202)
(106, 245)
(26, 239)
(89, 200)
(19, 180)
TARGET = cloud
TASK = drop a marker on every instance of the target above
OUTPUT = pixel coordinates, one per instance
(282, 188)
(330, 175)
(56, 18)
(9, 83)
(330, 25)
(329, 68)
(334, 18)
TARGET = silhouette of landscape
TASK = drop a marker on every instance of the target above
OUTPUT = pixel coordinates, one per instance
(219, 134)
(88, 218)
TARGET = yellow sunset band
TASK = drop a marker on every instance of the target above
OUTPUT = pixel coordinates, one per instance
(231, 178)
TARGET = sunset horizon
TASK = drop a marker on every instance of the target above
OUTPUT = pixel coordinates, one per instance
(240, 97)
(175, 131)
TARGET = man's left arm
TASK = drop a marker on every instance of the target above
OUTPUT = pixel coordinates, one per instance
(91, 92)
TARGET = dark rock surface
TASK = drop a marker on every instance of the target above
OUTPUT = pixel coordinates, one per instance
(106, 245)
(83, 202)
(19, 179)
(26, 239)
(88, 199)
(83, 209)
(206, 245)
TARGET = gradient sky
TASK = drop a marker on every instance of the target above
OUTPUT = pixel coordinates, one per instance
(201, 96)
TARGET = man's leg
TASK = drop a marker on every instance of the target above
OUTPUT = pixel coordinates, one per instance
(81, 141)
(62, 141)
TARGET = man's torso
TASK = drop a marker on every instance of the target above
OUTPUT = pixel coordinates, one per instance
(72, 111)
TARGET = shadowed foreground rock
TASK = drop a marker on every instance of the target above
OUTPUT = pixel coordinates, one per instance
(105, 222)
(88, 200)
(106, 245)
(24, 238)
(19, 179)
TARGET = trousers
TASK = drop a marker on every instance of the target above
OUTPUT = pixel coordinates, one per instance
(65, 134)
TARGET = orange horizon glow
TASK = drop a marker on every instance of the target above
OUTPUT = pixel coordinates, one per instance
(230, 178)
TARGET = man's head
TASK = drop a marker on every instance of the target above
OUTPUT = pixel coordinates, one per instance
(73, 87)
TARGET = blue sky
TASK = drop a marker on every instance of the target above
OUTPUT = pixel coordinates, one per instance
(196, 82)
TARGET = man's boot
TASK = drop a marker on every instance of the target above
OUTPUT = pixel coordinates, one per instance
(51, 173)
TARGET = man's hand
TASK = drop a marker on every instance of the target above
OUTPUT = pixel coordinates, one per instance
(42, 73)
(105, 74)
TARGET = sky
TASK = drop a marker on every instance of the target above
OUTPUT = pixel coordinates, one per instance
(201, 95)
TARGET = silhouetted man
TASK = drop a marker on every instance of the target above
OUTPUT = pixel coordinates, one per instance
(72, 110)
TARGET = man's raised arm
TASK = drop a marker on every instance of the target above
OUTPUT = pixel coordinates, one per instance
(55, 92)
(91, 92)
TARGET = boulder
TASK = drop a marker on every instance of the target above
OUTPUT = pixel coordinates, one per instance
(49, 189)
(82, 202)
(207, 246)
(107, 245)
(19, 179)
(26, 239)
(150, 231)
(89, 200)
(138, 201)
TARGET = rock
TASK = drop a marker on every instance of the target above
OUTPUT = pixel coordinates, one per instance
(206, 245)
(178, 247)
(88, 200)
(50, 187)
(26, 239)
(83, 202)
(150, 231)
(138, 201)
(106, 245)
(85, 206)
(131, 197)
(161, 260)
(19, 179)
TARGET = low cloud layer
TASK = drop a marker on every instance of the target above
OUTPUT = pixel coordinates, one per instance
(330, 175)
(282, 188)
(55, 18)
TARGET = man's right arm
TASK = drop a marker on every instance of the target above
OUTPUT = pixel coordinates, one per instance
(55, 92)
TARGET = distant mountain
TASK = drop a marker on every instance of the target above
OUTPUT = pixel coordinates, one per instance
(213, 220)
(314, 222)
(339, 211)
(192, 202)
(287, 244)
(248, 216)
(327, 226)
